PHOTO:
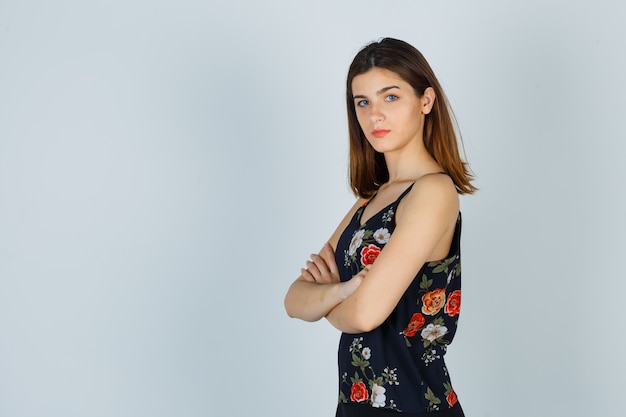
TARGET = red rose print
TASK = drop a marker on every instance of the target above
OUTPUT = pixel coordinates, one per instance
(369, 254)
(453, 306)
(433, 301)
(416, 323)
(358, 392)
(451, 398)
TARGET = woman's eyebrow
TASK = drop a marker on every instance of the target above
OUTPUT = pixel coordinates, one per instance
(379, 92)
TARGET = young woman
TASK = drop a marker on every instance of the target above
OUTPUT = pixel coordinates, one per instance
(390, 277)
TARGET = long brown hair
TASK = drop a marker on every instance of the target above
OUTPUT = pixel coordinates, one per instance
(368, 169)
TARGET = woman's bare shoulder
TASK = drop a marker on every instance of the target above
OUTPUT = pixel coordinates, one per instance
(431, 192)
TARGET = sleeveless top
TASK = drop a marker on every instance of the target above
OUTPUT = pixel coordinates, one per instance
(399, 366)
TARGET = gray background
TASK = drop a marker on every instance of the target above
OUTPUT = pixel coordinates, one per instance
(167, 167)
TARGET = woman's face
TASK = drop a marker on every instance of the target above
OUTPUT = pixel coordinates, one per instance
(388, 110)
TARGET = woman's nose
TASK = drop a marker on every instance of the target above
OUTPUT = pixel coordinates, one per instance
(376, 114)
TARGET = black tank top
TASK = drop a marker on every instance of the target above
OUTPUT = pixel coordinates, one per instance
(399, 366)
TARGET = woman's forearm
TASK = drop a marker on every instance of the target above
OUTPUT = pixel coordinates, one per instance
(310, 301)
(352, 316)
(343, 320)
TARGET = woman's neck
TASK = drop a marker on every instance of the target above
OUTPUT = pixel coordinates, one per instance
(410, 166)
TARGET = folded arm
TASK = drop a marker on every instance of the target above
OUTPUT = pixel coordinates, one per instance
(318, 289)
(310, 301)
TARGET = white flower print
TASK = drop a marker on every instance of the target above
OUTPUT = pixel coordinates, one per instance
(366, 353)
(434, 331)
(356, 242)
(388, 216)
(382, 235)
(391, 376)
(356, 344)
(430, 356)
(378, 396)
(450, 276)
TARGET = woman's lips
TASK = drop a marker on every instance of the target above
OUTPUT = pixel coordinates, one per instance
(379, 133)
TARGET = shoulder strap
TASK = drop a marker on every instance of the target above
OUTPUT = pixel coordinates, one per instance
(405, 192)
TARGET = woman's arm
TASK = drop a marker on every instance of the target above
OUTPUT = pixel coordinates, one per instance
(318, 290)
(424, 225)
(310, 301)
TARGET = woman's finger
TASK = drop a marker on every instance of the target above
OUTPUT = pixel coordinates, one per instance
(328, 255)
(306, 275)
(320, 263)
(314, 270)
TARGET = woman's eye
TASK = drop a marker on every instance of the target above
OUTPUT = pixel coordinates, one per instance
(391, 97)
(362, 103)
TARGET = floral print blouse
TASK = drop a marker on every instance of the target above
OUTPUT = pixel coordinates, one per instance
(399, 366)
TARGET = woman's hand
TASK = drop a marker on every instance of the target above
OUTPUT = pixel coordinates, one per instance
(322, 268)
(307, 300)
(351, 285)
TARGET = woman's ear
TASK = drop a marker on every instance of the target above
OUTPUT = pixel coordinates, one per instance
(428, 100)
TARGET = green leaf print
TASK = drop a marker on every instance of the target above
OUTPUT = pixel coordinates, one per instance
(425, 283)
(356, 378)
(342, 397)
(359, 362)
(430, 396)
(438, 341)
(442, 266)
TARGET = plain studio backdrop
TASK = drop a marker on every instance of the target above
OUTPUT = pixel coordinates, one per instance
(167, 167)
